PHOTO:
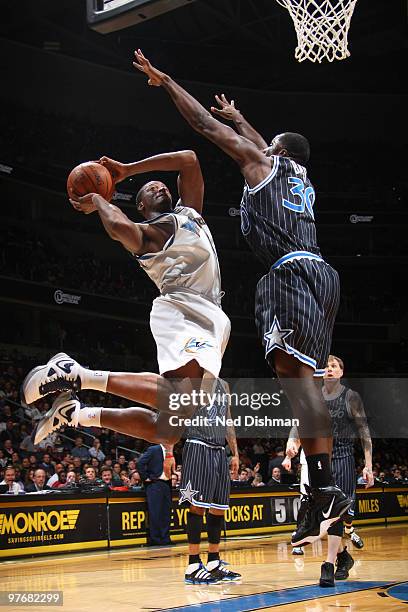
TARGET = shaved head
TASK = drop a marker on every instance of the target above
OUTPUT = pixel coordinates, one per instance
(290, 144)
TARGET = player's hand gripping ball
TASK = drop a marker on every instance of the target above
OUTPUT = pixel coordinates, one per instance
(90, 177)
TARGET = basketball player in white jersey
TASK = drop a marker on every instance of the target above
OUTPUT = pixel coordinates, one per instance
(175, 248)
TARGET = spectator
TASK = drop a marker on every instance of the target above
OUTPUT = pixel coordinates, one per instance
(245, 477)
(33, 460)
(10, 480)
(61, 480)
(80, 450)
(95, 451)
(131, 465)
(122, 460)
(174, 481)
(59, 467)
(77, 464)
(107, 475)
(276, 477)
(3, 459)
(277, 460)
(257, 481)
(124, 477)
(397, 477)
(71, 480)
(90, 473)
(39, 482)
(116, 471)
(29, 478)
(10, 433)
(8, 449)
(95, 464)
(46, 464)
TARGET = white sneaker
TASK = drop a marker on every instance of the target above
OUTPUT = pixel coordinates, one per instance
(61, 373)
(64, 411)
(297, 550)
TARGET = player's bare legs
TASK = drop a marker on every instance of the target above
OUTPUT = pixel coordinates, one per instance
(306, 399)
(326, 503)
(149, 389)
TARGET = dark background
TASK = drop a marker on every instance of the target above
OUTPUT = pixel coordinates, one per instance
(70, 94)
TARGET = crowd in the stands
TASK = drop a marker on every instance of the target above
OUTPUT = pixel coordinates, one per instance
(98, 458)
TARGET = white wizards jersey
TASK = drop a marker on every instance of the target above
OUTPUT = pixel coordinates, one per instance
(188, 259)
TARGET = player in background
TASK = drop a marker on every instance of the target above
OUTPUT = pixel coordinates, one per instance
(205, 485)
(349, 422)
(297, 300)
(175, 248)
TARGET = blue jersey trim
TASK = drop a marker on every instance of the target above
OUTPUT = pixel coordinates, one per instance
(268, 178)
(296, 255)
(292, 351)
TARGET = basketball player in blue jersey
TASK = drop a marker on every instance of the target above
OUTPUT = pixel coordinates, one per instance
(175, 248)
(297, 300)
(205, 485)
(349, 423)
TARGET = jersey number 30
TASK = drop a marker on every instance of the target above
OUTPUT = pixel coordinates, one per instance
(306, 196)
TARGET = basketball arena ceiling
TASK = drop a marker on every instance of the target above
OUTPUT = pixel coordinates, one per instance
(248, 43)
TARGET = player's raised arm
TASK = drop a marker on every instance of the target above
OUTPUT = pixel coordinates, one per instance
(138, 238)
(254, 165)
(228, 110)
(358, 414)
(190, 179)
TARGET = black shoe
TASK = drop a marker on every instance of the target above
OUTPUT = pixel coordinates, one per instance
(344, 563)
(202, 576)
(327, 575)
(223, 573)
(323, 508)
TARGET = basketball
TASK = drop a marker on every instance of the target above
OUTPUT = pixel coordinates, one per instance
(90, 177)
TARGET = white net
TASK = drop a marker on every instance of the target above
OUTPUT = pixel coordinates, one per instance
(321, 28)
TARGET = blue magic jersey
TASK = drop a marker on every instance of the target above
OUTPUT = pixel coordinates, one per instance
(277, 215)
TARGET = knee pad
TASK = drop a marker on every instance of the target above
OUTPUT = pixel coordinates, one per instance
(194, 527)
(215, 523)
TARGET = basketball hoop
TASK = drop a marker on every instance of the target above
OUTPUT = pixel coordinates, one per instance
(321, 28)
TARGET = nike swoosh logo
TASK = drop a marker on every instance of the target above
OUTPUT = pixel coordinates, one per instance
(67, 411)
(327, 514)
(66, 366)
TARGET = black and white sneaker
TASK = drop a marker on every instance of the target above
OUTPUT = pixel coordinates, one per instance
(218, 568)
(297, 550)
(61, 373)
(354, 537)
(196, 573)
(324, 507)
(344, 563)
(327, 575)
(63, 412)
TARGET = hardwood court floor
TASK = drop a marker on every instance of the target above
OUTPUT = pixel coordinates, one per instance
(152, 579)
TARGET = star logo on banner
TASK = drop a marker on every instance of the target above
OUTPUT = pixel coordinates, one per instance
(275, 337)
(187, 494)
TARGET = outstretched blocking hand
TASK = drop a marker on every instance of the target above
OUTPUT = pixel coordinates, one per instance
(116, 169)
(228, 110)
(154, 75)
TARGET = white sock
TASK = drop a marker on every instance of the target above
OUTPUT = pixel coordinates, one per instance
(212, 564)
(94, 379)
(90, 417)
(192, 568)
